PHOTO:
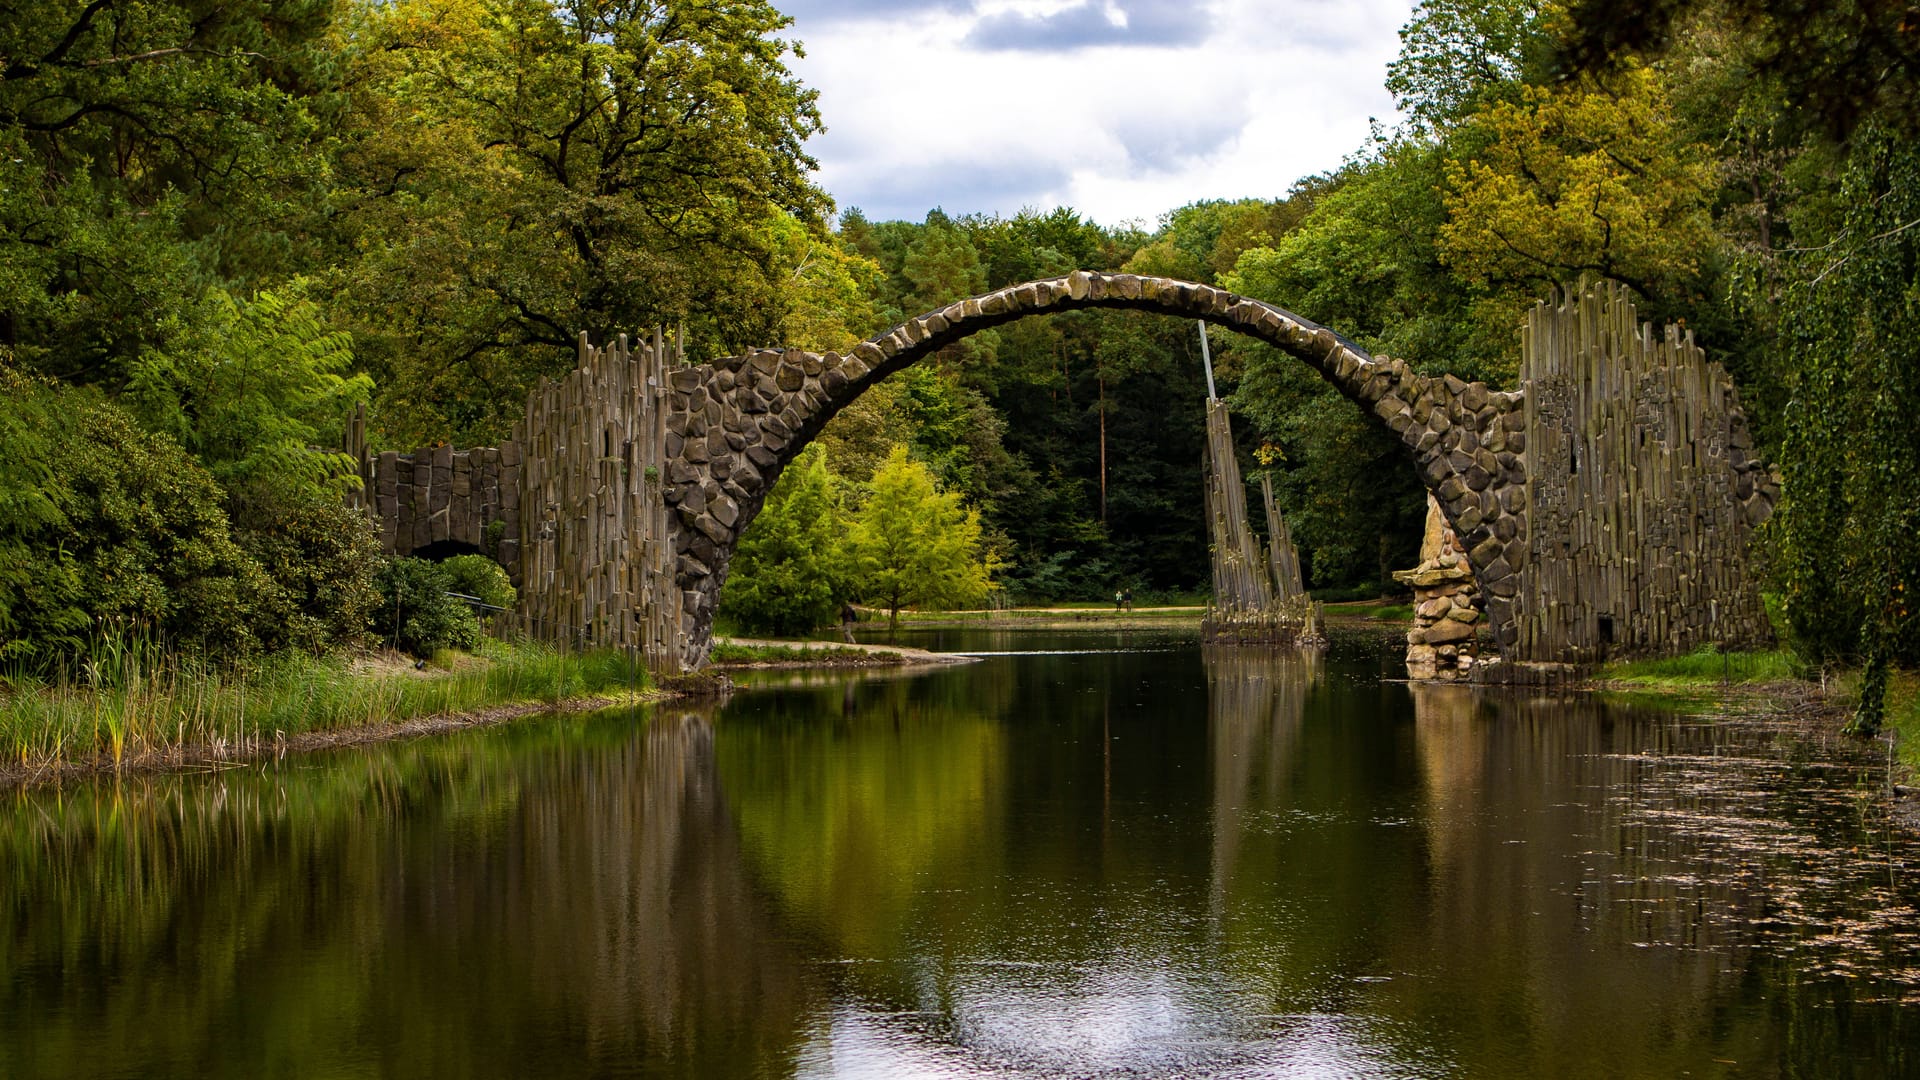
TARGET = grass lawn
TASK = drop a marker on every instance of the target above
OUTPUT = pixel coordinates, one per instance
(1703, 668)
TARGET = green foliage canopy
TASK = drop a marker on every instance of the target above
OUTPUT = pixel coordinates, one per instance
(251, 389)
(515, 172)
(148, 150)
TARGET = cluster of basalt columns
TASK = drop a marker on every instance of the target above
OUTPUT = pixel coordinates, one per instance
(571, 505)
(1631, 493)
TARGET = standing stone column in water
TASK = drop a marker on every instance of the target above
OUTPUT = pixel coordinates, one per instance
(1257, 596)
(1444, 641)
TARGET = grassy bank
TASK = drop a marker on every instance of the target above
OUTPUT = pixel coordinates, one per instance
(1707, 670)
(129, 702)
(732, 654)
(1704, 669)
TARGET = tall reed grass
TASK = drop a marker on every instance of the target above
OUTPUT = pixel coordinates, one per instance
(129, 698)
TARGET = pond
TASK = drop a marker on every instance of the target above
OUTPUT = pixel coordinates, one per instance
(1086, 854)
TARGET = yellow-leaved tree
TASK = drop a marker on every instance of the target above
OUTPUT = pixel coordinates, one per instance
(1587, 178)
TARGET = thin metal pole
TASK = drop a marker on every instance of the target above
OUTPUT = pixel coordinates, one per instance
(1206, 358)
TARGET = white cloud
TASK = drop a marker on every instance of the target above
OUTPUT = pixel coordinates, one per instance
(1109, 106)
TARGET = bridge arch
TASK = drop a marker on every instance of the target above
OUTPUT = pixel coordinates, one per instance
(734, 425)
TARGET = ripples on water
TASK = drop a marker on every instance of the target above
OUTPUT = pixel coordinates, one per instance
(1109, 855)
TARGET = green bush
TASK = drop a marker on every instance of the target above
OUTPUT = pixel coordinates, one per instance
(482, 578)
(320, 556)
(416, 614)
(106, 529)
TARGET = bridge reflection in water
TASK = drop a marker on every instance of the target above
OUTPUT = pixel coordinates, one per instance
(1145, 863)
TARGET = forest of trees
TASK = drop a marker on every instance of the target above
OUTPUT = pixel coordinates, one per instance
(225, 222)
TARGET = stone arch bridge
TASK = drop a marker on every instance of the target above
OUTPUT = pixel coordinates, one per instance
(1603, 505)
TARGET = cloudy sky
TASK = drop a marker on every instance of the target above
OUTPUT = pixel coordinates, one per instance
(1121, 109)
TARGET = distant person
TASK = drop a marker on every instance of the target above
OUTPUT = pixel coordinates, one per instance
(848, 617)
(1119, 599)
(1127, 598)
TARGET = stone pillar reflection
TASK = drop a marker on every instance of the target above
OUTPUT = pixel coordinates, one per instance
(1256, 704)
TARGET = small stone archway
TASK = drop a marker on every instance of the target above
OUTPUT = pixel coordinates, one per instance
(734, 425)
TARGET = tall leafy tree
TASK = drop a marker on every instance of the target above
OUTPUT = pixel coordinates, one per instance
(1840, 63)
(147, 150)
(1851, 455)
(1580, 179)
(518, 171)
(1458, 56)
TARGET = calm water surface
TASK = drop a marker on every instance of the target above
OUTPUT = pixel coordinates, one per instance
(1094, 855)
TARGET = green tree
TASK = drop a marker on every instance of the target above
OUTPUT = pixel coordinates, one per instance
(1580, 179)
(1851, 457)
(148, 150)
(913, 545)
(517, 171)
(785, 578)
(831, 289)
(1363, 260)
(1457, 56)
(251, 389)
(1839, 63)
(105, 529)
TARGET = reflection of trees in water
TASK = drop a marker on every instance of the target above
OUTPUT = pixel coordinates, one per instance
(1525, 851)
(856, 801)
(1520, 886)
(521, 901)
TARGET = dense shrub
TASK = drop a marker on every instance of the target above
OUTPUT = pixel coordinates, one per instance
(481, 578)
(106, 529)
(320, 556)
(416, 614)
